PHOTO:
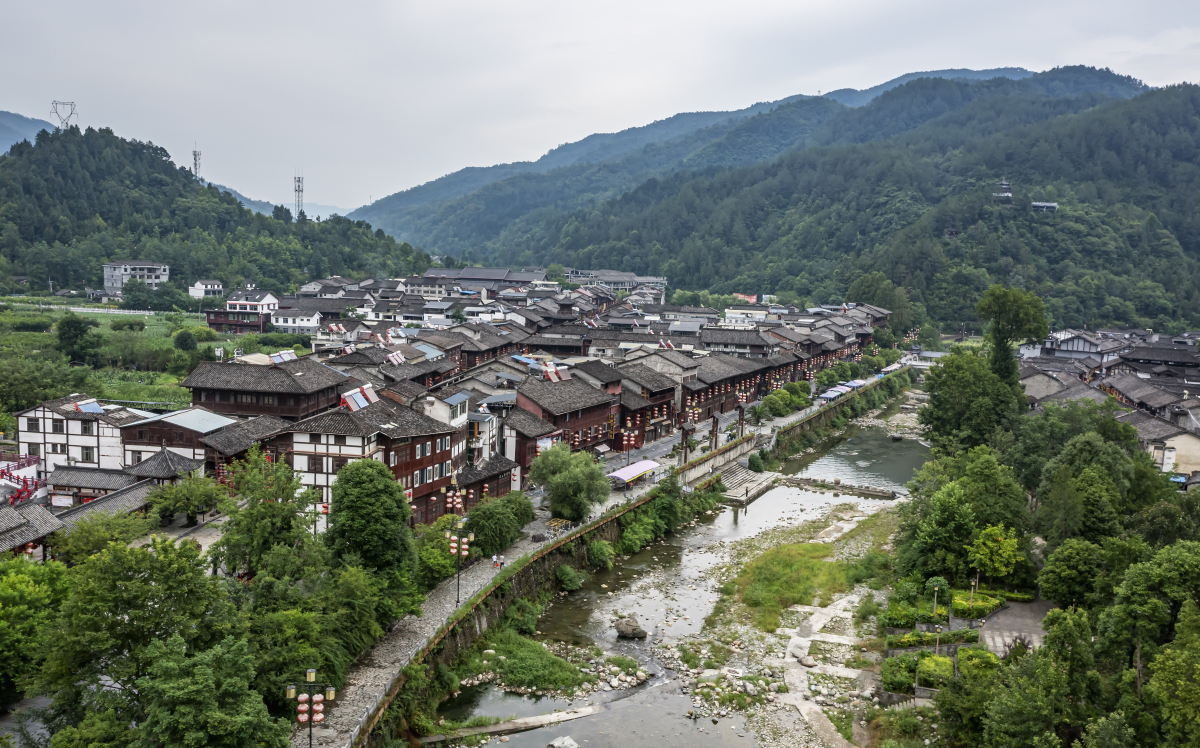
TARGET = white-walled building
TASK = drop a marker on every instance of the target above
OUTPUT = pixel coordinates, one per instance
(75, 431)
(203, 289)
(117, 274)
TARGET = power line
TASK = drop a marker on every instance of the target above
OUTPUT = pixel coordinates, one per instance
(64, 111)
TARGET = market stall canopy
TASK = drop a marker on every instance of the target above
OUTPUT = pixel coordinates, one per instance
(634, 471)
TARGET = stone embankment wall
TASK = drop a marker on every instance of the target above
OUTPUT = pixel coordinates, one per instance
(822, 417)
(699, 468)
(531, 576)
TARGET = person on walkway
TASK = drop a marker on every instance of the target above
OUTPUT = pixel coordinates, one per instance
(494, 564)
(502, 561)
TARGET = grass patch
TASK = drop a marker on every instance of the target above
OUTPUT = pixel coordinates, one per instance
(688, 657)
(924, 639)
(790, 575)
(900, 728)
(525, 663)
(859, 662)
(843, 720)
(877, 529)
(625, 663)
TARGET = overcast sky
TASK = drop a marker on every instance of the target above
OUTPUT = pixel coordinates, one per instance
(369, 98)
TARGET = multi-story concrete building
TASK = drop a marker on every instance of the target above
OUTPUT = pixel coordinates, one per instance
(117, 274)
(75, 431)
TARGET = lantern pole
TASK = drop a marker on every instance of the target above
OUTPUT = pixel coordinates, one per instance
(311, 701)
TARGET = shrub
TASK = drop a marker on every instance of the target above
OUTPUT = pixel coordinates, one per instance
(569, 577)
(601, 554)
(935, 671)
(185, 340)
(522, 616)
(1018, 597)
(520, 506)
(897, 673)
(131, 325)
(494, 526)
(528, 663)
(899, 615)
(974, 662)
(927, 639)
(755, 463)
(964, 607)
(867, 608)
(204, 334)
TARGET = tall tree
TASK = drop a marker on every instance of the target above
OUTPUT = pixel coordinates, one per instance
(203, 699)
(1013, 316)
(1060, 515)
(1097, 495)
(30, 595)
(574, 482)
(967, 401)
(368, 518)
(76, 339)
(1176, 680)
(121, 601)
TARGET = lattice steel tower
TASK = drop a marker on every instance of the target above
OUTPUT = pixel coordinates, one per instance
(299, 196)
(64, 111)
(196, 163)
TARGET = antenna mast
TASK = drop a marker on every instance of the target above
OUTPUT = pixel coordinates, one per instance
(64, 111)
(195, 162)
(299, 196)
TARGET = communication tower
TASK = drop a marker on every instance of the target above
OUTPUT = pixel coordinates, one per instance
(195, 163)
(299, 196)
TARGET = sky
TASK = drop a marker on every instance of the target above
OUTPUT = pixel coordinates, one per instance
(368, 98)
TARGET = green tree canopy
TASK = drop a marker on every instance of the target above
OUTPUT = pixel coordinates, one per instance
(1014, 316)
(574, 482)
(368, 518)
(1175, 684)
(30, 595)
(204, 699)
(1069, 575)
(967, 400)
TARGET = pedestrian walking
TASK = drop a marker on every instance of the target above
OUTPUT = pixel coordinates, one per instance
(494, 564)
(502, 561)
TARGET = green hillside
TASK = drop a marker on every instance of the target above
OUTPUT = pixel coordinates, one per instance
(76, 199)
(490, 216)
(1122, 249)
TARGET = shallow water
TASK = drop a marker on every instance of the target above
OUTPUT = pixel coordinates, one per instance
(662, 586)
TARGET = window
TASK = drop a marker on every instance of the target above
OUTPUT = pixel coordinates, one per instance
(87, 454)
(33, 425)
(35, 449)
(59, 426)
(314, 438)
(446, 469)
(392, 460)
(142, 435)
(58, 449)
(245, 397)
(176, 436)
(416, 478)
(437, 471)
(428, 451)
(136, 457)
(87, 428)
(339, 439)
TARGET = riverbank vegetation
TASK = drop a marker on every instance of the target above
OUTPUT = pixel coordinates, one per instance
(1066, 500)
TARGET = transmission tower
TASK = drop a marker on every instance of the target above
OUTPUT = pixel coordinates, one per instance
(64, 111)
(195, 163)
(299, 196)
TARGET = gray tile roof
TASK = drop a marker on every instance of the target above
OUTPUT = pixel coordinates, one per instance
(678, 358)
(25, 523)
(382, 417)
(164, 464)
(419, 369)
(302, 376)
(1150, 428)
(527, 424)
(633, 401)
(497, 465)
(599, 370)
(647, 377)
(563, 397)
(235, 439)
(126, 500)
(79, 477)
(717, 336)
(361, 356)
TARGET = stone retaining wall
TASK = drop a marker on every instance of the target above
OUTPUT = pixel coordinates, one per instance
(825, 415)
(717, 459)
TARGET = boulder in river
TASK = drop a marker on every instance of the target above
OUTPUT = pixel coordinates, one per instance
(808, 661)
(563, 742)
(628, 628)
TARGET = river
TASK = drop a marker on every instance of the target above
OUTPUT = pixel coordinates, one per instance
(664, 586)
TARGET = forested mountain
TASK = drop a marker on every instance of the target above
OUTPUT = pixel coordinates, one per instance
(854, 97)
(604, 165)
(488, 218)
(15, 127)
(904, 186)
(73, 200)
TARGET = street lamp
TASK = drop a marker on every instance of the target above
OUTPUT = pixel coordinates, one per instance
(458, 556)
(311, 701)
(938, 640)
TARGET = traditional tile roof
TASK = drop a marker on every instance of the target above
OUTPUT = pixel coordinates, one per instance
(113, 415)
(563, 397)
(118, 502)
(302, 376)
(632, 401)
(383, 417)
(718, 336)
(362, 356)
(406, 389)
(419, 369)
(235, 439)
(164, 464)
(599, 370)
(496, 465)
(1150, 428)
(647, 377)
(25, 523)
(527, 424)
(678, 358)
(1139, 391)
(103, 480)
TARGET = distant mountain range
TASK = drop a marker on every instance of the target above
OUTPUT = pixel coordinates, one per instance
(14, 128)
(472, 210)
(312, 210)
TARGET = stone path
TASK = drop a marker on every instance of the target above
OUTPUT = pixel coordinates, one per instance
(371, 675)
